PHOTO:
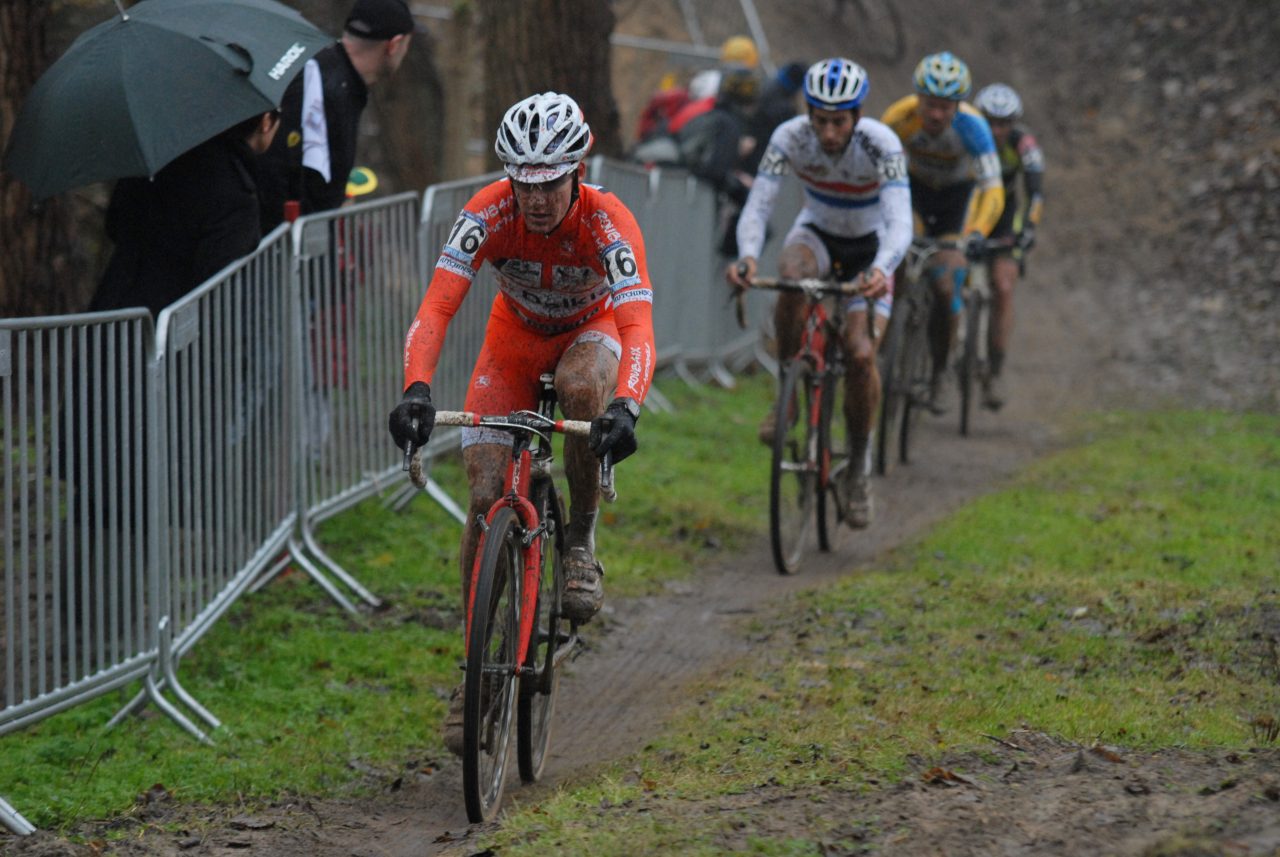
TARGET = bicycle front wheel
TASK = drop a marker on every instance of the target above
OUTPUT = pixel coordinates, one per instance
(491, 686)
(794, 477)
(541, 679)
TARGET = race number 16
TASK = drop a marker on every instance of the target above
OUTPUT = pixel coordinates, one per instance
(621, 264)
(467, 236)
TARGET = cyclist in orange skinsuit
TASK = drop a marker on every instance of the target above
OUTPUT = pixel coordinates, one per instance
(574, 299)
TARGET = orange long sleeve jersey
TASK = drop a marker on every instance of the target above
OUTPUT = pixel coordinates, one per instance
(593, 262)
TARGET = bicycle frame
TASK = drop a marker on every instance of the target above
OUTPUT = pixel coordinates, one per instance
(516, 497)
(823, 322)
(803, 467)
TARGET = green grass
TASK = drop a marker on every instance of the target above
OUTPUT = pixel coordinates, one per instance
(1124, 592)
(312, 701)
(1119, 592)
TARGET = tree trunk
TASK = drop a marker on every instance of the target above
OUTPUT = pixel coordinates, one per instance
(42, 268)
(557, 45)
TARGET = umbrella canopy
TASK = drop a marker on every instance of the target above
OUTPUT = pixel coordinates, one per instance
(133, 93)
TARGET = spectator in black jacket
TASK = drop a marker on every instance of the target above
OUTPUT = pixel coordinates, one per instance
(715, 145)
(776, 105)
(195, 217)
(316, 148)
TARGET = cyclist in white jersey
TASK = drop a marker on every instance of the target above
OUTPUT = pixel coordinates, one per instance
(856, 217)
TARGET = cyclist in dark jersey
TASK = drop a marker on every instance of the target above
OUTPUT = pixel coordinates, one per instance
(1021, 163)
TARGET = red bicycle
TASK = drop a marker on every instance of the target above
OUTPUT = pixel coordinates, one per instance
(516, 637)
(810, 448)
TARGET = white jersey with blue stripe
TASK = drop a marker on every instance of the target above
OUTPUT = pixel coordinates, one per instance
(859, 191)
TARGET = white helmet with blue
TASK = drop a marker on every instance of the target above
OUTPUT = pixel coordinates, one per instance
(836, 84)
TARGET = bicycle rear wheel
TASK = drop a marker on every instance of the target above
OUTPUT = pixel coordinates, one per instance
(490, 690)
(833, 448)
(969, 361)
(894, 389)
(918, 363)
(541, 679)
(794, 475)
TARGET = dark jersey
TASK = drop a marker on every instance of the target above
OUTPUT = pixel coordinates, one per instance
(315, 148)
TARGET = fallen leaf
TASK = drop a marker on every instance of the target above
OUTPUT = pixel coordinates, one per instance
(1109, 755)
(942, 776)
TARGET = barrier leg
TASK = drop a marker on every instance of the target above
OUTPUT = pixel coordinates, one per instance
(14, 821)
(295, 551)
(152, 691)
(657, 401)
(338, 571)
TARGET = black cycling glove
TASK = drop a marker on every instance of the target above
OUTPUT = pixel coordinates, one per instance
(614, 431)
(1027, 238)
(414, 418)
(975, 246)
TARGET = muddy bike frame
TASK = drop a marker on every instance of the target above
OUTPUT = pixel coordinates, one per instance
(528, 484)
(813, 378)
(906, 361)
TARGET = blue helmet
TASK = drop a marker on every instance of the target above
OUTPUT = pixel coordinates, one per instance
(836, 84)
(944, 75)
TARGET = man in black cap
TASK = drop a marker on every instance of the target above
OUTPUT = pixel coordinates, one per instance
(320, 115)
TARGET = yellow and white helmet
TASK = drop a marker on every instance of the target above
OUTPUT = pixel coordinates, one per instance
(944, 75)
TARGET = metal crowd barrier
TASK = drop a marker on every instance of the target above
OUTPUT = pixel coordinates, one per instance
(75, 603)
(222, 448)
(359, 283)
(148, 484)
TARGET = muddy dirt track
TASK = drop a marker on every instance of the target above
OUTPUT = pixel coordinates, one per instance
(1108, 314)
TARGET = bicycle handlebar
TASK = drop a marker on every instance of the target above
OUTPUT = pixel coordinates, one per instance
(530, 421)
(523, 420)
(809, 285)
(928, 245)
(817, 287)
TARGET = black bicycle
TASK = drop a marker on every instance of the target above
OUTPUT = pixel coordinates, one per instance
(906, 361)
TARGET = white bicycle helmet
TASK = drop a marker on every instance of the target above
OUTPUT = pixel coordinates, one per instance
(998, 101)
(543, 137)
(944, 75)
(836, 84)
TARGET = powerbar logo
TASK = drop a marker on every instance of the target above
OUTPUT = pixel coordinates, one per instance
(289, 58)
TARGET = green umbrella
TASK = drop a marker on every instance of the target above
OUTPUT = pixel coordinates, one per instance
(137, 91)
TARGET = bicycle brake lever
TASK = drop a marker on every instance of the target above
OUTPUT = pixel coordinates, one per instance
(410, 447)
(607, 491)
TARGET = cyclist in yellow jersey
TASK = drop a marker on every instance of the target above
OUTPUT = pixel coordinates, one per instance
(956, 189)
